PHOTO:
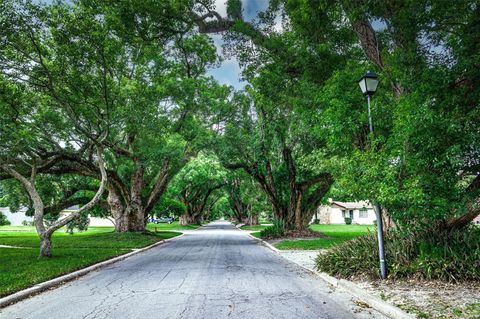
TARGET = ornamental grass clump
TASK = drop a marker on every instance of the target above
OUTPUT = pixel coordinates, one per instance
(441, 255)
(277, 230)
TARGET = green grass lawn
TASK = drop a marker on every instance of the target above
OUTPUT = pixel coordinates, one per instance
(336, 234)
(173, 226)
(255, 228)
(21, 268)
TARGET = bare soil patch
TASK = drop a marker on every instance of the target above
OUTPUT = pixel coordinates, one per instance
(429, 299)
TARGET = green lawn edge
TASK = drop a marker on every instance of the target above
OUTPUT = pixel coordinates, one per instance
(334, 235)
(21, 268)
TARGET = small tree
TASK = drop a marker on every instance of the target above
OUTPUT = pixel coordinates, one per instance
(43, 231)
(169, 207)
(80, 223)
(3, 220)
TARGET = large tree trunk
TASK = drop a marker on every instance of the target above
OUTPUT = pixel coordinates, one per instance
(129, 218)
(127, 206)
(296, 210)
(128, 210)
(187, 219)
(250, 220)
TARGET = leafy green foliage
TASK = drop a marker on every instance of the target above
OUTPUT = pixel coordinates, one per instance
(420, 161)
(4, 220)
(450, 256)
(220, 209)
(198, 185)
(277, 230)
(80, 223)
(140, 87)
(169, 207)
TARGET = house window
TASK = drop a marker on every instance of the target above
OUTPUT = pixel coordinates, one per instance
(363, 213)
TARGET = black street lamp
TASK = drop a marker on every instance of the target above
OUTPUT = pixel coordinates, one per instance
(368, 84)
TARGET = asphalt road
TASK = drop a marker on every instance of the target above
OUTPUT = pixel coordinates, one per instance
(214, 272)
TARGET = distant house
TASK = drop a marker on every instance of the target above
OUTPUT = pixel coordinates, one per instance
(476, 220)
(94, 221)
(18, 218)
(361, 212)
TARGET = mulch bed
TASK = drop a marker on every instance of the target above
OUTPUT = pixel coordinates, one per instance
(429, 299)
(297, 235)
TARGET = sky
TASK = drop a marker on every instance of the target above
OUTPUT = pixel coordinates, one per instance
(229, 71)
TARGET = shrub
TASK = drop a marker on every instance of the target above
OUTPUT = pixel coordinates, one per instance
(80, 223)
(316, 221)
(275, 231)
(442, 255)
(3, 220)
(348, 220)
(168, 207)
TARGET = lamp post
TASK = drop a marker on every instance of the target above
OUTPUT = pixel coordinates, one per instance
(368, 84)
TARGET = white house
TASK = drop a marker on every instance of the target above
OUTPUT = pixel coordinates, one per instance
(361, 212)
(94, 221)
(17, 219)
(476, 220)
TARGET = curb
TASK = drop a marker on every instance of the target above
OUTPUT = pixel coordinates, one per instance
(376, 303)
(264, 243)
(52, 283)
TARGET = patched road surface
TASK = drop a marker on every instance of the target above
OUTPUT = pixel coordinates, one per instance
(214, 272)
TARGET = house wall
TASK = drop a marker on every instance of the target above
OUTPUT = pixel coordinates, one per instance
(94, 221)
(477, 220)
(100, 222)
(336, 217)
(364, 221)
(323, 214)
(17, 218)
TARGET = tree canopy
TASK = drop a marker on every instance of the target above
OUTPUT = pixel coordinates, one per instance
(124, 85)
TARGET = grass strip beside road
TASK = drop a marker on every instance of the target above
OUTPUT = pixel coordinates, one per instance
(173, 226)
(254, 228)
(335, 235)
(21, 268)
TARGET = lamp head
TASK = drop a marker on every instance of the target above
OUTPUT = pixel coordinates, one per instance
(368, 83)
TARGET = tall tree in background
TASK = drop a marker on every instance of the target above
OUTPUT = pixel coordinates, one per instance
(278, 139)
(198, 186)
(265, 142)
(245, 198)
